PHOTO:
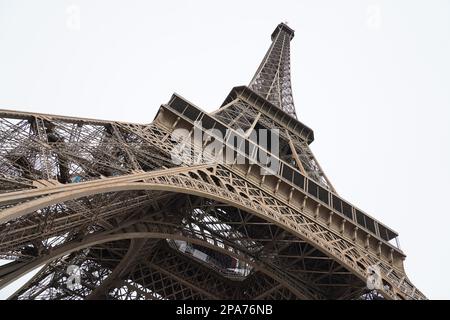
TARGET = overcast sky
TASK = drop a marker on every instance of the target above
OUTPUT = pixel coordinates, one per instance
(371, 78)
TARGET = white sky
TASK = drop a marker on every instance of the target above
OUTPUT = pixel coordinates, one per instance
(372, 78)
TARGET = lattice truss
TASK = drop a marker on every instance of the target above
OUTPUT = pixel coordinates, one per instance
(273, 78)
(36, 148)
(139, 228)
(240, 115)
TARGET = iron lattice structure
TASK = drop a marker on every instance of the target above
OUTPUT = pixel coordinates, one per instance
(109, 198)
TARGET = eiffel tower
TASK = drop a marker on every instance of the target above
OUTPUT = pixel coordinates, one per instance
(118, 210)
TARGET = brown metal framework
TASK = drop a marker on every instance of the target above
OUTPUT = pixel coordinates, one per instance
(272, 80)
(108, 198)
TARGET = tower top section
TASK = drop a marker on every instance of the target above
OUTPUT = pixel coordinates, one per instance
(272, 80)
(282, 27)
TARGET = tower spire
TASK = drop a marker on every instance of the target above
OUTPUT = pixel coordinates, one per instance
(272, 80)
